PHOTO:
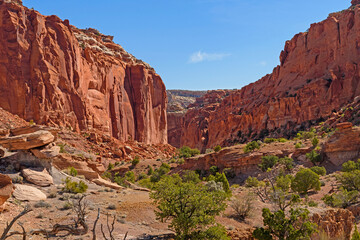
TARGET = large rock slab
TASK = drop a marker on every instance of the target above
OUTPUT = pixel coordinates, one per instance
(6, 188)
(27, 141)
(342, 146)
(38, 177)
(102, 182)
(48, 152)
(28, 193)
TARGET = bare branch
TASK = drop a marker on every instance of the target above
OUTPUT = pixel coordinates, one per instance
(9, 226)
(96, 220)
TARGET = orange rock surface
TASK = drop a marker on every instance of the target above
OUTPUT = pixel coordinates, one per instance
(55, 74)
(318, 73)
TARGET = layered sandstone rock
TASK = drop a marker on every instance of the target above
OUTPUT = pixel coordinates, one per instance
(343, 145)
(318, 73)
(55, 74)
(38, 177)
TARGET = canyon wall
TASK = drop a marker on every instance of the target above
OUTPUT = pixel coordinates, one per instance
(318, 73)
(55, 74)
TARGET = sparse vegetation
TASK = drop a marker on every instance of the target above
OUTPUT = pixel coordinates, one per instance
(268, 162)
(242, 206)
(72, 171)
(321, 171)
(217, 148)
(314, 157)
(186, 152)
(74, 187)
(135, 161)
(251, 146)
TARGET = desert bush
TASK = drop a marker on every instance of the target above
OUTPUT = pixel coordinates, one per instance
(191, 207)
(72, 171)
(298, 145)
(67, 205)
(342, 199)
(268, 162)
(17, 179)
(321, 171)
(217, 148)
(314, 157)
(287, 162)
(252, 182)
(74, 187)
(350, 180)
(350, 166)
(242, 206)
(306, 135)
(150, 170)
(186, 152)
(315, 141)
(135, 161)
(356, 234)
(213, 170)
(42, 204)
(52, 195)
(305, 180)
(251, 146)
(158, 173)
(270, 140)
(111, 207)
(130, 176)
(278, 226)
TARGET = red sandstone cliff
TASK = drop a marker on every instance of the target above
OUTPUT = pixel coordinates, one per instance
(319, 72)
(54, 73)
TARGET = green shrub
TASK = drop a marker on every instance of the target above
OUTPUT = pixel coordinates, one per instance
(217, 148)
(186, 152)
(251, 146)
(342, 199)
(213, 170)
(150, 170)
(314, 157)
(74, 187)
(350, 180)
(287, 162)
(278, 225)
(305, 180)
(350, 166)
(158, 173)
(298, 145)
(270, 140)
(282, 140)
(315, 141)
(356, 234)
(130, 176)
(252, 182)
(72, 171)
(321, 171)
(135, 161)
(306, 135)
(42, 204)
(268, 162)
(110, 167)
(181, 161)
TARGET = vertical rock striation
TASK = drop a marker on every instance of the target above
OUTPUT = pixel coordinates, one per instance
(56, 74)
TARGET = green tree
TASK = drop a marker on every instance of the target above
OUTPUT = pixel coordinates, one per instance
(315, 141)
(350, 166)
(278, 226)
(186, 152)
(287, 162)
(191, 208)
(305, 180)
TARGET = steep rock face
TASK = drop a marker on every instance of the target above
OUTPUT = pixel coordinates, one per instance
(195, 124)
(55, 74)
(318, 73)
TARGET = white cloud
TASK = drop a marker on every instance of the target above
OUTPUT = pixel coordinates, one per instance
(203, 56)
(263, 63)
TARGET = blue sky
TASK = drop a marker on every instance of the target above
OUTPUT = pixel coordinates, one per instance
(198, 44)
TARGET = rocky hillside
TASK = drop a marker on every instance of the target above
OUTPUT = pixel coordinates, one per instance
(318, 73)
(55, 74)
(179, 100)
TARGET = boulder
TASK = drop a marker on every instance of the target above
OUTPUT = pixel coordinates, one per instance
(27, 141)
(38, 177)
(31, 129)
(6, 188)
(28, 193)
(48, 152)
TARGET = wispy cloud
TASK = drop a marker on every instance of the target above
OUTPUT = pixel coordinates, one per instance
(200, 56)
(263, 63)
